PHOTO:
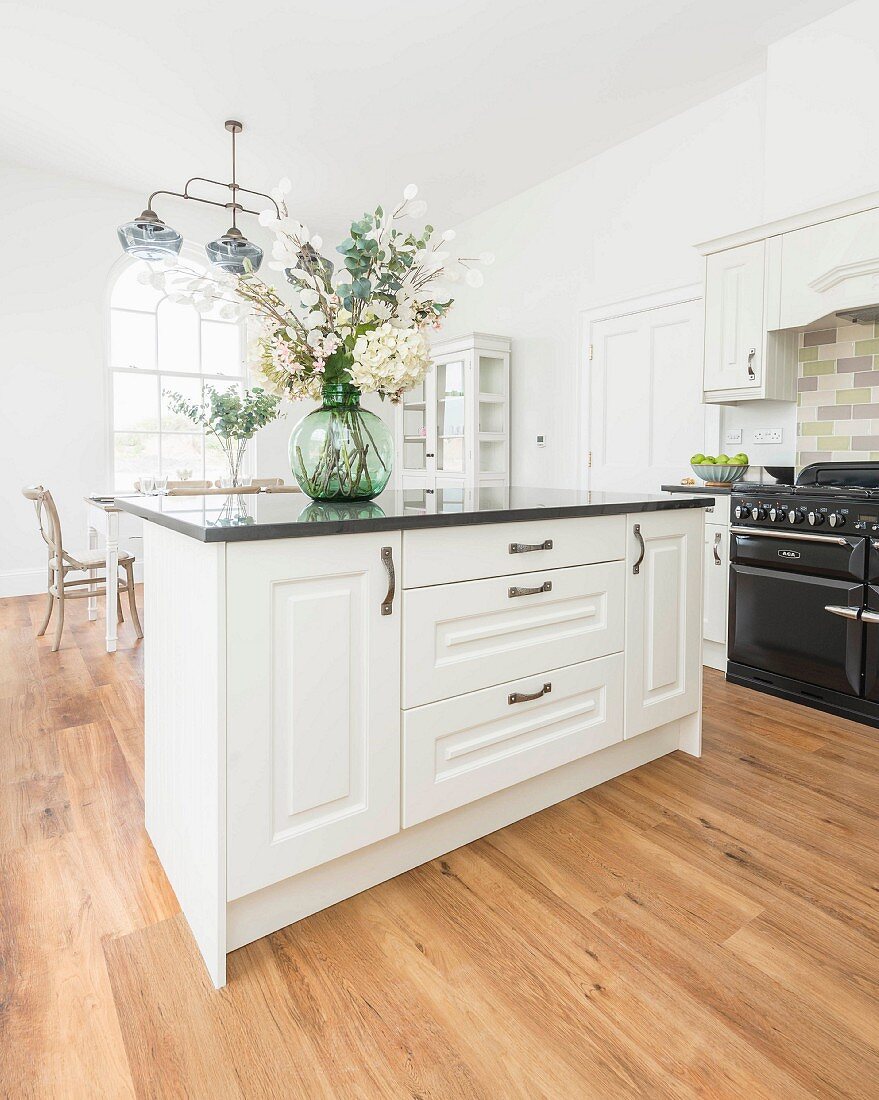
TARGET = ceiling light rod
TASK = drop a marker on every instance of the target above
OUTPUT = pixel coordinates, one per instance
(149, 238)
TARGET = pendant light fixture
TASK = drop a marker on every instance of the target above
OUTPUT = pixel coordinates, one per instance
(148, 238)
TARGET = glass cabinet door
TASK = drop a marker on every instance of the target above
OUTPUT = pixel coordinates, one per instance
(450, 382)
(415, 429)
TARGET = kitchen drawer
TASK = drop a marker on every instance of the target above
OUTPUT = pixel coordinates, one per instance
(446, 554)
(466, 636)
(465, 748)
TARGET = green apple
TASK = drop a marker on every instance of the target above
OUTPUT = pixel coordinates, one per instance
(722, 460)
(708, 460)
(697, 458)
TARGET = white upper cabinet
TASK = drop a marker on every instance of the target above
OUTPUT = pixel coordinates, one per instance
(829, 266)
(746, 359)
(734, 289)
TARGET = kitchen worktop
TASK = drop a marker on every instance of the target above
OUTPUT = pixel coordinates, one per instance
(291, 515)
(707, 490)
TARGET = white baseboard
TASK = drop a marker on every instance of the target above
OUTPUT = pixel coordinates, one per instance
(31, 582)
(714, 655)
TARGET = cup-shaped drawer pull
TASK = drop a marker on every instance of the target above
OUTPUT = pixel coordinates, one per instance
(522, 697)
(529, 547)
(514, 591)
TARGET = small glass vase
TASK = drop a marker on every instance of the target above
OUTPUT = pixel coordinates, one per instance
(340, 451)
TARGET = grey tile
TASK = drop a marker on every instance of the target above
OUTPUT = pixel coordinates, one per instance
(867, 378)
(819, 336)
(865, 442)
(804, 458)
(834, 412)
(868, 412)
(854, 363)
(807, 384)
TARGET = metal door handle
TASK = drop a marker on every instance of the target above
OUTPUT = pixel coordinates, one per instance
(796, 536)
(636, 530)
(521, 697)
(388, 562)
(869, 617)
(545, 587)
(845, 612)
(430, 454)
(717, 560)
(527, 548)
(751, 355)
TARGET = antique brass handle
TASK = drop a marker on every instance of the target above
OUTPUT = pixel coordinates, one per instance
(527, 548)
(388, 561)
(545, 587)
(521, 697)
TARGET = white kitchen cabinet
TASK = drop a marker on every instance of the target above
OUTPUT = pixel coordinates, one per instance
(829, 266)
(313, 711)
(715, 593)
(663, 618)
(453, 430)
(745, 360)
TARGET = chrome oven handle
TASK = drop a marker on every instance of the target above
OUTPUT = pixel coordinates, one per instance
(869, 617)
(845, 612)
(796, 536)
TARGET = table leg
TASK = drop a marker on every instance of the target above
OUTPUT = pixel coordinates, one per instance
(112, 585)
(92, 601)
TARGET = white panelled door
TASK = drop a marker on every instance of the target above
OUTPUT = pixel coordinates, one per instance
(645, 411)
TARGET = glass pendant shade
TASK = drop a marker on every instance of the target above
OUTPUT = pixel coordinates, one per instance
(148, 238)
(229, 252)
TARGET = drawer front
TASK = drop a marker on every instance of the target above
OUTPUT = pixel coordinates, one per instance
(444, 555)
(465, 748)
(462, 637)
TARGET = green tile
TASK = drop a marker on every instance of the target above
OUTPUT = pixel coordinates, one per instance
(874, 456)
(834, 442)
(814, 429)
(806, 355)
(823, 366)
(865, 347)
(854, 397)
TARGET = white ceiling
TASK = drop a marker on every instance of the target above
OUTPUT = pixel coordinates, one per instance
(475, 100)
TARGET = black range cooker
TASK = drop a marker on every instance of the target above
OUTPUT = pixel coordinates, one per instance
(804, 589)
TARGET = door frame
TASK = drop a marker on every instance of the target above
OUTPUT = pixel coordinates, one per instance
(610, 311)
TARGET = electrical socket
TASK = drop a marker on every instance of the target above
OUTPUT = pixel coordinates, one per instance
(767, 435)
(733, 435)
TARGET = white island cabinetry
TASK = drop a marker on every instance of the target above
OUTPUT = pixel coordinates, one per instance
(327, 711)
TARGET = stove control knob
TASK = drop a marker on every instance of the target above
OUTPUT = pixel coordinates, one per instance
(836, 519)
(816, 519)
(794, 516)
(777, 514)
(757, 512)
(741, 511)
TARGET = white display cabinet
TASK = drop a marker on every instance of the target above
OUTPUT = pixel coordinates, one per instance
(453, 430)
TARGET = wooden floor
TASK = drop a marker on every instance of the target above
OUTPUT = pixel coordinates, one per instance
(695, 928)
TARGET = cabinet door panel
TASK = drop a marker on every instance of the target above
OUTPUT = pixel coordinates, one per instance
(462, 637)
(715, 582)
(734, 284)
(663, 619)
(313, 704)
(462, 749)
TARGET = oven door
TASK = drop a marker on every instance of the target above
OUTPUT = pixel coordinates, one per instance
(871, 626)
(795, 601)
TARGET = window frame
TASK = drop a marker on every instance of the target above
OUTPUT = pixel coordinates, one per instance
(220, 381)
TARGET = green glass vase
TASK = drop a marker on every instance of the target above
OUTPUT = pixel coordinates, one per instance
(340, 451)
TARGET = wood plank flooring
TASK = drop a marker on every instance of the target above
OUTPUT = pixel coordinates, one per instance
(695, 928)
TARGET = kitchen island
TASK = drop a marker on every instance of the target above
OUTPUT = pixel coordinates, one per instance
(337, 693)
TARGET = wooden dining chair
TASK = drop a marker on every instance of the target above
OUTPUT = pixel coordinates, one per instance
(62, 562)
(189, 484)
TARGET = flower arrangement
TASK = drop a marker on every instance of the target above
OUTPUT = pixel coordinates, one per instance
(360, 324)
(232, 418)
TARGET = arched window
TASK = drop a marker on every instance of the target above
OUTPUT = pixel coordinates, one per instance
(158, 345)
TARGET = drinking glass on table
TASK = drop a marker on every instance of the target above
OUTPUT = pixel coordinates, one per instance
(147, 486)
(162, 484)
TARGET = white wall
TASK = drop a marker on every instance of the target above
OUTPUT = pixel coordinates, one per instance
(621, 225)
(821, 94)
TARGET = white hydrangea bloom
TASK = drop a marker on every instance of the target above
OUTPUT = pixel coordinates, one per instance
(389, 359)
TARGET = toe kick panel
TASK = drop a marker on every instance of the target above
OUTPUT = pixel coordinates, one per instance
(462, 637)
(462, 749)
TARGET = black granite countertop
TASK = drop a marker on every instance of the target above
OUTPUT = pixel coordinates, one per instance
(710, 490)
(292, 515)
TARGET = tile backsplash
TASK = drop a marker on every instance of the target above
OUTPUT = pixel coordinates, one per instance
(838, 394)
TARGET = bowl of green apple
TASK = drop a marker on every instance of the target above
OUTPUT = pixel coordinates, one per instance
(721, 469)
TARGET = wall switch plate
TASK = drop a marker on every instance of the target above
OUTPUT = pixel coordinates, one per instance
(767, 435)
(541, 441)
(734, 435)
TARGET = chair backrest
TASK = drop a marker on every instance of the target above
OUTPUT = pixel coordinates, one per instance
(47, 517)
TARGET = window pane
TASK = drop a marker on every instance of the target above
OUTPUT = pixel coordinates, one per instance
(178, 337)
(128, 293)
(135, 454)
(215, 464)
(182, 456)
(135, 402)
(221, 348)
(190, 388)
(132, 340)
